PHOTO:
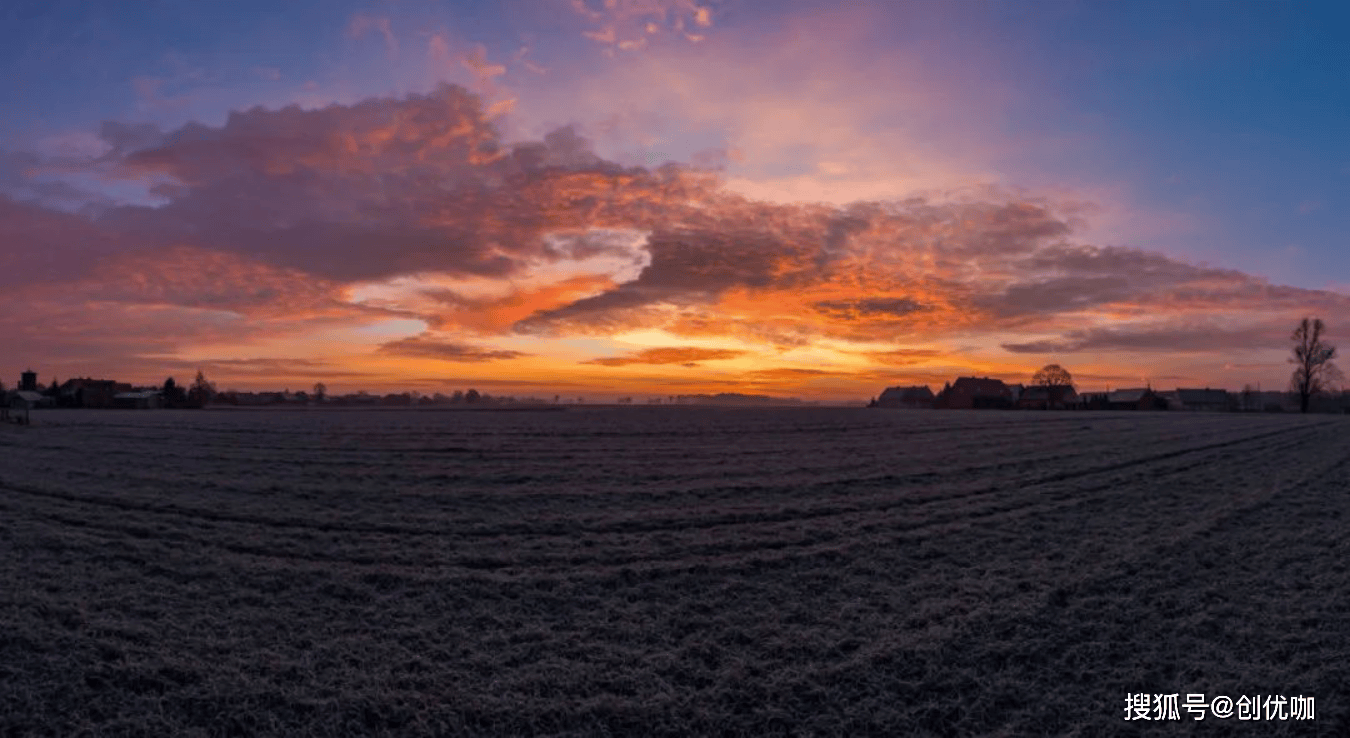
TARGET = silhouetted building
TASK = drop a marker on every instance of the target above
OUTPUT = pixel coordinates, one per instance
(90, 393)
(28, 400)
(1047, 397)
(1273, 402)
(1201, 400)
(137, 400)
(1138, 398)
(974, 392)
(906, 397)
(28, 381)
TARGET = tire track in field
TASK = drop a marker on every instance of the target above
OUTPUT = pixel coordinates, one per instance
(1148, 572)
(570, 527)
(769, 546)
(884, 530)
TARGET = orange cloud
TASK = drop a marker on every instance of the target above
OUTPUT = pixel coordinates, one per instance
(428, 346)
(673, 355)
(496, 316)
(274, 222)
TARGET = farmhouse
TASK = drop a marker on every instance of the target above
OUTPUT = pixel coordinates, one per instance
(906, 397)
(1200, 400)
(974, 392)
(1047, 397)
(28, 400)
(89, 393)
(137, 400)
(1138, 398)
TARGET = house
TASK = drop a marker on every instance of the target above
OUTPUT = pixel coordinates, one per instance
(1047, 397)
(137, 400)
(1200, 400)
(28, 400)
(1270, 402)
(906, 397)
(1138, 398)
(89, 393)
(974, 392)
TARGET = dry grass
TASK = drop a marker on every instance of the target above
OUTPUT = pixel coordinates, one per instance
(666, 571)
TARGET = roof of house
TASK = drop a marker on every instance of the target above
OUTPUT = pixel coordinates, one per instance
(1202, 395)
(27, 396)
(981, 386)
(1056, 392)
(137, 395)
(918, 392)
(1128, 395)
(77, 382)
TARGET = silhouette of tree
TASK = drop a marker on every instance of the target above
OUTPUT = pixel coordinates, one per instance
(1052, 375)
(1313, 371)
(471, 396)
(320, 391)
(201, 392)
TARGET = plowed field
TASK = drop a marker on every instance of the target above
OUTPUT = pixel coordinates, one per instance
(668, 571)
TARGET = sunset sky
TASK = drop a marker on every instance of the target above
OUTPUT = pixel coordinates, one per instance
(653, 197)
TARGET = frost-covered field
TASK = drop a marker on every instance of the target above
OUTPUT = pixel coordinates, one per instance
(667, 571)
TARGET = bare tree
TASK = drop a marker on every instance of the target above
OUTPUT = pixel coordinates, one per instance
(320, 392)
(1313, 371)
(201, 392)
(1052, 375)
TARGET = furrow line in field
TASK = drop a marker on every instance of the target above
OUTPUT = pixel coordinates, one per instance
(885, 529)
(564, 527)
(724, 554)
(1104, 574)
(475, 477)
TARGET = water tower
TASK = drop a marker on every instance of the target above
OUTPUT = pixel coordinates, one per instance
(29, 382)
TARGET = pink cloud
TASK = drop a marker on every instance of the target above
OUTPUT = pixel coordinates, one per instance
(272, 218)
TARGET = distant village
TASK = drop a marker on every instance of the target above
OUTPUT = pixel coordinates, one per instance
(965, 393)
(986, 393)
(88, 393)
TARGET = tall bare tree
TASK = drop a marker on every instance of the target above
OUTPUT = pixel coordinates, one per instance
(1052, 375)
(1313, 371)
(202, 391)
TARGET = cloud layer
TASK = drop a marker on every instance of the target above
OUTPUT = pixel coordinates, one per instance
(278, 221)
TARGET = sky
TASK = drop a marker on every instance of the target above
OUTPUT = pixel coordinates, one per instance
(608, 198)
